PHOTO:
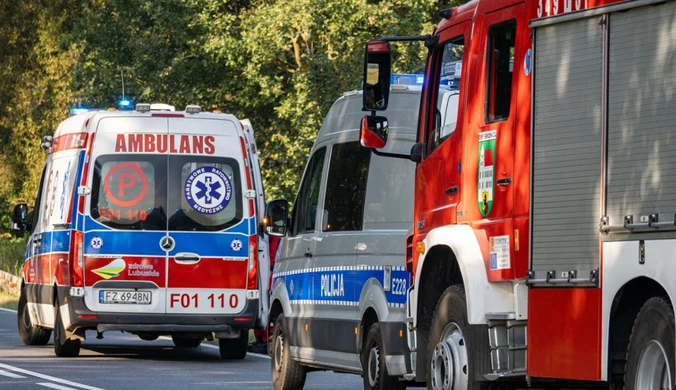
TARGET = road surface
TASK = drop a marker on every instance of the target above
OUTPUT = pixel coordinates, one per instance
(123, 361)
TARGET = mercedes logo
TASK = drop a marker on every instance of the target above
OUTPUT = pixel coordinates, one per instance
(167, 243)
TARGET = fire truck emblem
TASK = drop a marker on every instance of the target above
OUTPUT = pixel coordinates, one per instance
(208, 190)
(485, 180)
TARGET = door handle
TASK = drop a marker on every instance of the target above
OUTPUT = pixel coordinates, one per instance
(504, 182)
(184, 257)
(451, 191)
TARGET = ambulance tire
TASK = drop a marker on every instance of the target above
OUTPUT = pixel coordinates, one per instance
(651, 347)
(450, 320)
(234, 349)
(287, 374)
(30, 335)
(62, 346)
(186, 342)
(375, 373)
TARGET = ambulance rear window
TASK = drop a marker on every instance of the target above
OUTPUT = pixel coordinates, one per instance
(204, 193)
(128, 192)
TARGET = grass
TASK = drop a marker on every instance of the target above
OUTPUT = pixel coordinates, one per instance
(12, 251)
(8, 301)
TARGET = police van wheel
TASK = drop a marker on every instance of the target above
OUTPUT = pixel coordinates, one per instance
(234, 348)
(452, 342)
(373, 362)
(287, 374)
(650, 356)
(62, 346)
(186, 342)
(30, 335)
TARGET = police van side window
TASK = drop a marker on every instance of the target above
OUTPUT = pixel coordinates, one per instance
(305, 209)
(346, 188)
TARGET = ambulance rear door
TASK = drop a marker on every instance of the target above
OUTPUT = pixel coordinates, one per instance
(125, 224)
(209, 218)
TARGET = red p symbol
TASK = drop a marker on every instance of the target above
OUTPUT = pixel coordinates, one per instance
(127, 180)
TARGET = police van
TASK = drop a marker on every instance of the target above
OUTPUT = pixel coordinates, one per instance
(146, 222)
(338, 300)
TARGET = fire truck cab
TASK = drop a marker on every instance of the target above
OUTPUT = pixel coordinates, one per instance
(146, 222)
(544, 230)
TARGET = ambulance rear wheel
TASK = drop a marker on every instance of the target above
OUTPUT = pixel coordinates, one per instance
(452, 343)
(30, 335)
(650, 356)
(287, 374)
(186, 342)
(373, 363)
(234, 348)
(63, 347)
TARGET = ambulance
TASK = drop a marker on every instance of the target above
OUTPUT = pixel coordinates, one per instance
(146, 222)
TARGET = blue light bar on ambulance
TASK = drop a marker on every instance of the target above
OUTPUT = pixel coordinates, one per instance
(78, 110)
(125, 104)
(406, 79)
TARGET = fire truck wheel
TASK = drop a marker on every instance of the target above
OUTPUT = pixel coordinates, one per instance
(373, 362)
(62, 346)
(30, 335)
(234, 348)
(650, 356)
(450, 344)
(186, 342)
(287, 374)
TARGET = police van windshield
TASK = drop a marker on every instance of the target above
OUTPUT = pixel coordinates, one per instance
(156, 192)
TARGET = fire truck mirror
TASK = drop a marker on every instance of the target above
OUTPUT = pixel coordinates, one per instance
(374, 131)
(20, 217)
(377, 69)
(276, 217)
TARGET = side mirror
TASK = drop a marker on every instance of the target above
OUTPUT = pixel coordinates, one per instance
(377, 70)
(417, 152)
(20, 217)
(374, 131)
(276, 217)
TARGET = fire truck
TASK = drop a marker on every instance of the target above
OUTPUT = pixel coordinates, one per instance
(544, 236)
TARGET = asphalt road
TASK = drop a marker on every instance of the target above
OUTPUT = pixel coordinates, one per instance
(123, 361)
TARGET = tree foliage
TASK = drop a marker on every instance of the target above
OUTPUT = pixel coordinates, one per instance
(280, 63)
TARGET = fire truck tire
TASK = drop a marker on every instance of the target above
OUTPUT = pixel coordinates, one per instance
(186, 342)
(375, 373)
(650, 355)
(234, 349)
(30, 335)
(452, 344)
(287, 374)
(63, 347)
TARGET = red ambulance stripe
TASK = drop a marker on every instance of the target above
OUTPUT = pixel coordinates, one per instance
(69, 141)
(208, 273)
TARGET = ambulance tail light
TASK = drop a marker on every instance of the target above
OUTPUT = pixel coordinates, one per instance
(77, 261)
(252, 280)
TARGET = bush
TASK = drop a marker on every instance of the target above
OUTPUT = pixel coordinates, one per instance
(12, 252)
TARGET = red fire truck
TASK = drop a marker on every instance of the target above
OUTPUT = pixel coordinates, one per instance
(544, 236)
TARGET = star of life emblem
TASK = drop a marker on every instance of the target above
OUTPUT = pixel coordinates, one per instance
(208, 190)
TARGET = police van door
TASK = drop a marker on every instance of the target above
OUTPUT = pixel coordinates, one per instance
(210, 222)
(125, 218)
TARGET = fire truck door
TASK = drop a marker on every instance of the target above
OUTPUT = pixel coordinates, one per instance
(498, 83)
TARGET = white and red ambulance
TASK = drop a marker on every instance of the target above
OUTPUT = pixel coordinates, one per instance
(146, 222)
